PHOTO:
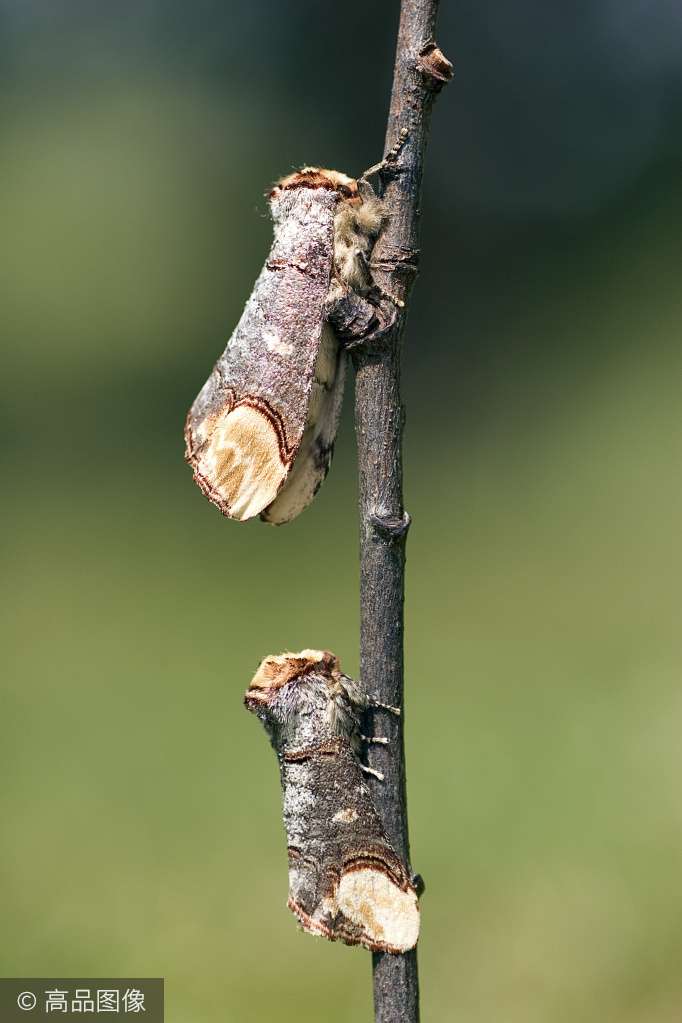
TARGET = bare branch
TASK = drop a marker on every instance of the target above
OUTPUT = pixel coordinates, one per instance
(420, 71)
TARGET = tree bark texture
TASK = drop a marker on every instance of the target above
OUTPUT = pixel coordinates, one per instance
(420, 71)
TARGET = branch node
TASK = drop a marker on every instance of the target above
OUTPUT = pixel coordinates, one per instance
(390, 527)
(419, 884)
(434, 66)
(401, 267)
(397, 261)
(364, 322)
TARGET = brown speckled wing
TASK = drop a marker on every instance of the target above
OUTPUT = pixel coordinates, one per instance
(245, 428)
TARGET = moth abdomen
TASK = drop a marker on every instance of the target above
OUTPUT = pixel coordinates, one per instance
(346, 881)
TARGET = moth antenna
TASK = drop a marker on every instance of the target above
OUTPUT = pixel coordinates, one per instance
(403, 135)
(375, 738)
(370, 770)
(390, 158)
(376, 168)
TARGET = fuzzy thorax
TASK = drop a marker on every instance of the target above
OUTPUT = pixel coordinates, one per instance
(356, 226)
(307, 694)
(359, 218)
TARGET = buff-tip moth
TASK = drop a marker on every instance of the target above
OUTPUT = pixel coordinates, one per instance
(261, 431)
(346, 881)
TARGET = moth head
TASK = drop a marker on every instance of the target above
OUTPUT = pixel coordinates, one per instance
(317, 177)
(280, 670)
(290, 694)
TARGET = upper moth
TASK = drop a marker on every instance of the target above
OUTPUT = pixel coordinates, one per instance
(261, 431)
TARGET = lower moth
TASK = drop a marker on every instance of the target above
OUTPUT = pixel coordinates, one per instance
(346, 881)
(260, 434)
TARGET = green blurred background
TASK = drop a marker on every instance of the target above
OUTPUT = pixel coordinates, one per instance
(141, 830)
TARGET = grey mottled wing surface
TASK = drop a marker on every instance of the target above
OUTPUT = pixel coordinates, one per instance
(245, 428)
(345, 880)
(315, 451)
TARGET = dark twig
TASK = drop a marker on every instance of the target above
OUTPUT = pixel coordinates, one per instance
(420, 71)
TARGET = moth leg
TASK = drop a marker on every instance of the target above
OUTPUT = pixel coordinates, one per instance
(383, 706)
(375, 738)
(354, 691)
(357, 320)
(370, 770)
(376, 288)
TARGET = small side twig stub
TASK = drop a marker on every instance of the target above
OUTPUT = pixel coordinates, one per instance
(435, 66)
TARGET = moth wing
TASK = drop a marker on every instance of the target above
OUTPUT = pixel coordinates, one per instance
(346, 881)
(385, 911)
(314, 455)
(240, 464)
(246, 426)
(369, 902)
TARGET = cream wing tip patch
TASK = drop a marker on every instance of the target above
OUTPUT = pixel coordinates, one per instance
(388, 915)
(241, 462)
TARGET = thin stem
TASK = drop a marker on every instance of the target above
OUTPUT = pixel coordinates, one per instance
(420, 71)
